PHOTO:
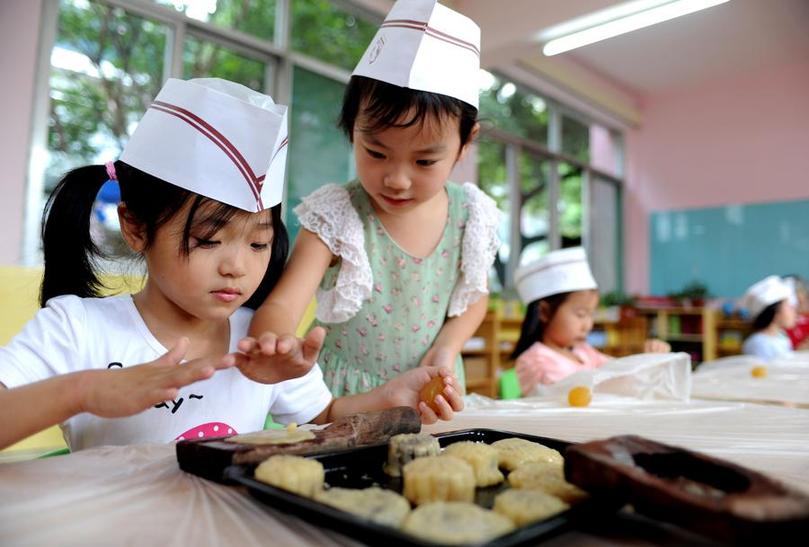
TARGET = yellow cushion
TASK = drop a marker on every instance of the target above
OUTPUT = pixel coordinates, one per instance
(19, 294)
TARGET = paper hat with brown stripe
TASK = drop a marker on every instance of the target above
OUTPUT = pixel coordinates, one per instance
(426, 46)
(216, 138)
(565, 270)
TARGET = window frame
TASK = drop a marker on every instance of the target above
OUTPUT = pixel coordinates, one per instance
(552, 152)
(280, 61)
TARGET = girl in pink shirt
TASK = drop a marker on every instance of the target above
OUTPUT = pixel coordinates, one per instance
(562, 297)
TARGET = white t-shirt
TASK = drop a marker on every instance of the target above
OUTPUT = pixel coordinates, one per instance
(72, 334)
(767, 346)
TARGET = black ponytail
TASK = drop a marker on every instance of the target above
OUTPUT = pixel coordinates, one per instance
(533, 327)
(69, 250)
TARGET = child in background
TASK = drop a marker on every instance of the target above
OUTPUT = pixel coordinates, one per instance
(770, 303)
(398, 259)
(561, 296)
(201, 183)
(799, 333)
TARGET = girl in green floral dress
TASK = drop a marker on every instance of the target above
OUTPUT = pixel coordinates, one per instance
(399, 259)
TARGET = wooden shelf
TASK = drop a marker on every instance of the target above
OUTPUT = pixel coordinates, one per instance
(697, 338)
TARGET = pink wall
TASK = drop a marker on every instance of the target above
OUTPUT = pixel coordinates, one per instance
(744, 140)
(19, 40)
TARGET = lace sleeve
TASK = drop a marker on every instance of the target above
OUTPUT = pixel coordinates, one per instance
(480, 243)
(329, 213)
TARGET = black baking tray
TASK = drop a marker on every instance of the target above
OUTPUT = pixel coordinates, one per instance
(362, 468)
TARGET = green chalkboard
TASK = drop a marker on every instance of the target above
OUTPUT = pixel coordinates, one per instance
(728, 248)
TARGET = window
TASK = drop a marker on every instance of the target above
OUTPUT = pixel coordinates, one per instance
(555, 176)
(316, 103)
(328, 33)
(254, 17)
(110, 58)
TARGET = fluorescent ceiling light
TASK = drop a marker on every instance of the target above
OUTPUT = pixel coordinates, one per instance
(617, 20)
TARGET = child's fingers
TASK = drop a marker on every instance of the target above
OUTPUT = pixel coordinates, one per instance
(312, 344)
(453, 397)
(176, 353)
(287, 344)
(427, 415)
(444, 409)
(234, 360)
(247, 344)
(190, 373)
(157, 396)
(268, 343)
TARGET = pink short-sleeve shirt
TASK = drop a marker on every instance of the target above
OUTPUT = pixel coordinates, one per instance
(554, 366)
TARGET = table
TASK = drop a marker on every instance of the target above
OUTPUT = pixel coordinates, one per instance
(136, 495)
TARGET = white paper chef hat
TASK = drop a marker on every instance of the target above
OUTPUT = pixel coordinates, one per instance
(565, 270)
(766, 292)
(426, 46)
(216, 138)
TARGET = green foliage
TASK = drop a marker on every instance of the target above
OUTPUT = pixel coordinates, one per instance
(575, 139)
(570, 202)
(695, 290)
(206, 59)
(515, 111)
(323, 31)
(617, 298)
(92, 110)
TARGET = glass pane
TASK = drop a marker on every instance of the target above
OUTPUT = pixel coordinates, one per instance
(570, 205)
(106, 66)
(510, 108)
(604, 241)
(319, 152)
(493, 179)
(256, 17)
(534, 213)
(324, 31)
(208, 59)
(534, 251)
(575, 139)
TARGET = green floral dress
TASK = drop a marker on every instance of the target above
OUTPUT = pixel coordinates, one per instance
(382, 307)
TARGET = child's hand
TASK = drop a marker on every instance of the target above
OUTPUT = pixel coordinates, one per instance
(656, 346)
(117, 393)
(272, 359)
(404, 391)
(439, 356)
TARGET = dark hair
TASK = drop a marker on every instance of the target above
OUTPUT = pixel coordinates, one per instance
(71, 255)
(766, 317)
(533, 328)
(386, 105)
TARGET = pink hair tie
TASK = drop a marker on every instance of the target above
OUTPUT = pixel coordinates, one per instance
(111, 170)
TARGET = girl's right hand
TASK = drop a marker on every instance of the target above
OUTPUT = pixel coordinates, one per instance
(116, 393)
(272, 359)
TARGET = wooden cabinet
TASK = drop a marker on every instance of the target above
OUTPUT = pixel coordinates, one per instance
(730, 335)
(488, 352)
(619, 337)
(691, 329)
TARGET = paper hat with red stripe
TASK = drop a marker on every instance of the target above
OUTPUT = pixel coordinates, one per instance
(426, 46)
(565, 270)
(216, 138)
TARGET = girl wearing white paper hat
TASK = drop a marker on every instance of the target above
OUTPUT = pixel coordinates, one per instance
(770, 304)
(398, 259)
(201, 181)
(561, 296)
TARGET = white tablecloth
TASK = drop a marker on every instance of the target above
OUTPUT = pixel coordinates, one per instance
(138, 496)
(786, 381)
